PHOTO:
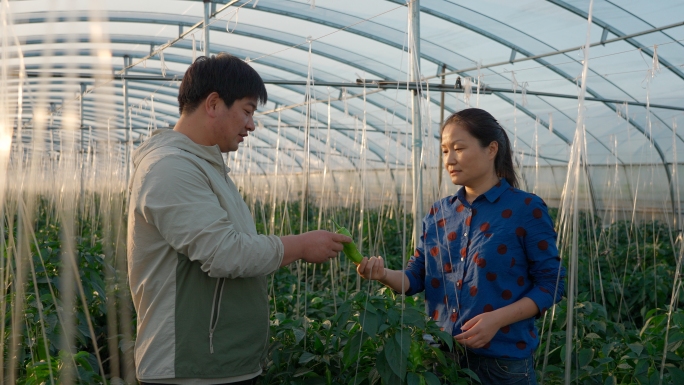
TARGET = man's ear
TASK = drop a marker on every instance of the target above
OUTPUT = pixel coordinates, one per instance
(211, 104)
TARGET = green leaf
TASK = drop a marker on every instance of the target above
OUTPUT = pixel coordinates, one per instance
(384, 368)
(343, 314)
(383, 328)
(318, 345)
(641, 367)
(351, 349)
(369, 308)
(299, 335)
(440, 356)
(414, 318)
(306, 357)
(472, 374)
(403, 338)
(413, 379)
(81, 359)
(636, 348)
(396, 359)
(676, 337)
(610, 380)
(562, 353)
(302, 371)
(431, 379)
(446, 338)
(369, 322)
(393, 316)
(585, 357)
(676, 374)
(592, 336)
(678, 319)
(654, 377)
(607, 348)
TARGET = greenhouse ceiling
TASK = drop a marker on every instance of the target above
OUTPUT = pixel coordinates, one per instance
(348, 60)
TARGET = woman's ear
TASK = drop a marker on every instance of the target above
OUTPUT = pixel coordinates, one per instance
(492, 149)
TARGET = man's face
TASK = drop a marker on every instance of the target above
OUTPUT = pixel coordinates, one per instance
(234, 124)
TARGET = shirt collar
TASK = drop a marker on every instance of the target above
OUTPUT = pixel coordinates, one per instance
(492, 194)
(496, 191)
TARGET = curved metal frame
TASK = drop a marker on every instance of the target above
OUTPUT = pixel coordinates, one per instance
(335, 19)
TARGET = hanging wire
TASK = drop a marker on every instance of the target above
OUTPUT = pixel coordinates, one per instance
(333, 32)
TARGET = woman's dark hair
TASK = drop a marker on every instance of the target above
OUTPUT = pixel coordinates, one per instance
(486, 129)
(229, 76)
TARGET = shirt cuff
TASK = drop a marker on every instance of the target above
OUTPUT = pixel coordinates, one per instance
(414, 282)
(541, 299)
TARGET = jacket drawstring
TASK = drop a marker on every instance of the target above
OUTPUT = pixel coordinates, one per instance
(215, 306)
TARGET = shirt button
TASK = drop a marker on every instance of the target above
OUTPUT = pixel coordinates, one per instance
(465, 234)
(462, 259)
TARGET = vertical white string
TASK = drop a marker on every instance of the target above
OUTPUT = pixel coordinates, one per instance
(194, 48)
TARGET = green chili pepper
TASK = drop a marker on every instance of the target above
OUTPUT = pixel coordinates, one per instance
(328, 377)
(350, 249)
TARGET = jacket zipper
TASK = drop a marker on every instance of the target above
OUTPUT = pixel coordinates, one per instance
(215, 308)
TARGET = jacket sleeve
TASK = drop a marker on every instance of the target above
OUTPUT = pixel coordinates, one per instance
(545, 270)
(176, 197)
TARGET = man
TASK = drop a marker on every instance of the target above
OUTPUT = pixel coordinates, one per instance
(197, 267)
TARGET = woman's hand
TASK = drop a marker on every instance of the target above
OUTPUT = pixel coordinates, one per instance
(373, 268)
(479, 330)
(482, 328)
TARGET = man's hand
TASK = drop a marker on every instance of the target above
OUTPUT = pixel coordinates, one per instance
(479, 330)
(373, 268)
(314, 246)
(321, 245)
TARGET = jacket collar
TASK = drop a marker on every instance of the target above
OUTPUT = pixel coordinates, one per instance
(170, 138)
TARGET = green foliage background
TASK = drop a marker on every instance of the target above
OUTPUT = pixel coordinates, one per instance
(329, 327)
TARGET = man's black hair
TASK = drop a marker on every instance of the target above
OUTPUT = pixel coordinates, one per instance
(229, 76)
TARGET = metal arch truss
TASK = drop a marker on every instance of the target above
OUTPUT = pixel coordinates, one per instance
(377, 32)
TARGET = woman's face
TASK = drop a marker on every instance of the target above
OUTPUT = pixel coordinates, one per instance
(467, 162)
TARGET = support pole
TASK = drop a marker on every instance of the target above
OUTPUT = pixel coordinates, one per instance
(126, 123)
(580, 156)
(441, 121)
(83, 90)
(207, 14)
(82, 148)
(416, 151)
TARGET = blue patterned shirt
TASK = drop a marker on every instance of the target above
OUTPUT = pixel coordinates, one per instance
(473, 259)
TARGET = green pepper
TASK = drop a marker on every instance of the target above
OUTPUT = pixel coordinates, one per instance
(350, 249)
(328, 377)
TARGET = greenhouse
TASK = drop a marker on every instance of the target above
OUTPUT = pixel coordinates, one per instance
(589, 93)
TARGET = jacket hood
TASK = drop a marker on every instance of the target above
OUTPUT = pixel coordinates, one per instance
(171, 138)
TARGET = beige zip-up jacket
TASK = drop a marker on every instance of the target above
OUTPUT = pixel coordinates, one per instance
(197, 267)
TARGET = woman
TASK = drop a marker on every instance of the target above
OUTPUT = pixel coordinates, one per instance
(487, 258)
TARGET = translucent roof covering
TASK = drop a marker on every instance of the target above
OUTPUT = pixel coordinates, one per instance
(523, 58)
